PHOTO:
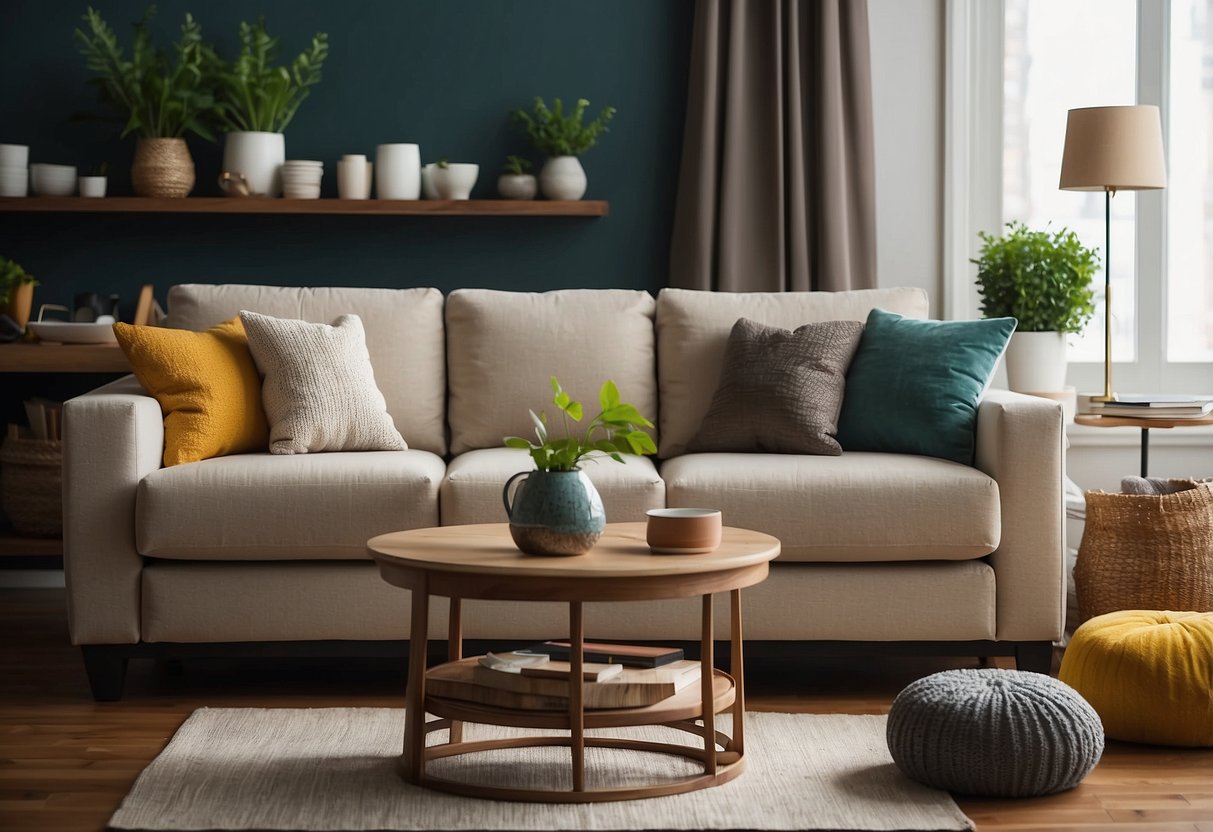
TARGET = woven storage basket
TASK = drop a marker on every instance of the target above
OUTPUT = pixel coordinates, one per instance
(1146, 552)
(31, 485)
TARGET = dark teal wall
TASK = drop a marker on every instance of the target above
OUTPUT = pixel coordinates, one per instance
(442, 73)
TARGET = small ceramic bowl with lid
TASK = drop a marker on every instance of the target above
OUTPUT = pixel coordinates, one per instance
(683, 531)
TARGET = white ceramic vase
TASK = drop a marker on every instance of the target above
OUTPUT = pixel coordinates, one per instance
(1036, 362)
(92, 186)
(455, 181)
(258, 158)
(517, 186)
(562, 177)
(398, 171)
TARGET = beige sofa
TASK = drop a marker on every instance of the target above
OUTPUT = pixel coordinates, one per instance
(257, 554)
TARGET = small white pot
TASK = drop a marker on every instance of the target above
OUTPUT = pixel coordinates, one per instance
(562, 177)
(455, 181)
(1036, 362)
(517, 185)
(93, 186)
(398, 171)
(257, 157)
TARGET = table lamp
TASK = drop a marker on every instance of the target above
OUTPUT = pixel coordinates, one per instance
(1112, 149)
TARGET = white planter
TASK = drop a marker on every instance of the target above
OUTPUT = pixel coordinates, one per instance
(93, 186)
(398, 171)
(455, 181)
(562, 177)
(1036, 362)
(517, 185)
(354, 176)
(427, 181)
(258, 158)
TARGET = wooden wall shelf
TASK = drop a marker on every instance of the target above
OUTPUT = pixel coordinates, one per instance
(383, 207)
(13, 545)
(62, 358)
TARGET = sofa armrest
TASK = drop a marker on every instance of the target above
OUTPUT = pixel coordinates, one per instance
(112, 438)
(1021, 445)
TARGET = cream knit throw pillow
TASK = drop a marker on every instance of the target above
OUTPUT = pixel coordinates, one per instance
(319, 390)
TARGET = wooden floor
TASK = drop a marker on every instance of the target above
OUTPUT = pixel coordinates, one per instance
(66, 762)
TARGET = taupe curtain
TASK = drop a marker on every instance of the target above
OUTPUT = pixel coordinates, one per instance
(776, 188)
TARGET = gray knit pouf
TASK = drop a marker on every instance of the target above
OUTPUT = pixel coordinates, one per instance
(1005, 733)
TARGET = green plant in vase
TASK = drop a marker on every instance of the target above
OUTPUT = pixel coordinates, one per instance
(563, 138)
(515, 181)
(16, 291)
(556, 510)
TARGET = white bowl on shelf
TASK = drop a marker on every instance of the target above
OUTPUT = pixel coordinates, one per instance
(14, 181)
(71, 332)
(14, 155)
(53, 180)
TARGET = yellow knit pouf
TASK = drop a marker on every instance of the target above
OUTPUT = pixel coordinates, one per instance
(1148, 674)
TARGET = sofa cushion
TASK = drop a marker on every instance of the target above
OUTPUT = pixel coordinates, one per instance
(914, 386)
(851, 508)
(693, 330)
(301, 507)
(404, 336)
(319, 389)
(206, 384)
(471, 492)
(503, 347)
(780, 391)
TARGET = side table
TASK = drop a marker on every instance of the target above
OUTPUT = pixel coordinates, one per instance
(1146, 425)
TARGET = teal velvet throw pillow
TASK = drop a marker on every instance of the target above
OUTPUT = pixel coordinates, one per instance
(913, 386)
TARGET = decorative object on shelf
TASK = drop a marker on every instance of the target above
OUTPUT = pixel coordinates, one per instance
(301, 179)
(14, 170)
(683, 531)
(398, 171)
(354, 176)
(1043, 280)
(563, 138)
(453, 180)
(158, 102)
(516, 183)
(1112, 149)
(93, 184)
(31, 484)
(427, 181)
(16, 292)
(556, 510)
(256, 100)
(52, 180)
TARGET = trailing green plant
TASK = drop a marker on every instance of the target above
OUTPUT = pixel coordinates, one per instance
(1041, 278)
(12, 276)
(516, 165)
(554, 133)
(255, 94)
(157, 98)
(613, 432)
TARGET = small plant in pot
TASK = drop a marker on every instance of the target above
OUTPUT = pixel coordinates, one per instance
(92, 184)
(256, 100)
(453, 180)
(563, 138)
(16, 298)
(515, 182)
(158, 100)
(556, 510)
(1042, 279)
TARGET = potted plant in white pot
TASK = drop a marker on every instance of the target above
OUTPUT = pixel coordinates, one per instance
(453, 180)
(92, 184)
(1043, 280)
(515, 182)
(563, 138)
(158, 101)
(257, 99)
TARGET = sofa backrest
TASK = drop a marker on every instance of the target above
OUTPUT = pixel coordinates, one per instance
(404, 335)
(693, 329)
(502, 347)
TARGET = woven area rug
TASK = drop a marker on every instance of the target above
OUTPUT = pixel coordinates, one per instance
(333, 769)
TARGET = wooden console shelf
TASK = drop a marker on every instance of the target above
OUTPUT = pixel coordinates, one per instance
(62, 358)
(13, 545)
(384, 207)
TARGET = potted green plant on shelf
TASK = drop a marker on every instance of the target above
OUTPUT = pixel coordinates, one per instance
(563, 138)
(16, 292)
(1043, 280)
(256, 101)
(158, 99)
(556, 510)
(515, 182)
(453, 180)
(92, 184)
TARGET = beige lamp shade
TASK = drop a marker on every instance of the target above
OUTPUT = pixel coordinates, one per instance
(1113, 149)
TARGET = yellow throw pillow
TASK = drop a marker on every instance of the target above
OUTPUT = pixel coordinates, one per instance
(207, 386)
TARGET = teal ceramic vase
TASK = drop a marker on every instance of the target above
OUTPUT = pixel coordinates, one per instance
(554, 512)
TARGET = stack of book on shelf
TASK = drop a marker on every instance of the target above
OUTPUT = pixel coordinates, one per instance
(533, 680)
(1149, 406)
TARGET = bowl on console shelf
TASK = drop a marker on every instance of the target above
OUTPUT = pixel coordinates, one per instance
(53, 180)
(683, 531)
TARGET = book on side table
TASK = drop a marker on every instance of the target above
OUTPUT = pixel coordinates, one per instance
(1149, 406)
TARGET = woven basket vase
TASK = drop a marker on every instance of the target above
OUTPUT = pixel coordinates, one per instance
(162, 168)
(1147, 552)
(31, 485)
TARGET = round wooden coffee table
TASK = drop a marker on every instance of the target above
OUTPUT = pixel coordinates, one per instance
(482, 562)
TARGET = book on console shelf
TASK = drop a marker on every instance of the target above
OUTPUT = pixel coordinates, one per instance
(634, 655)
(1148, 406)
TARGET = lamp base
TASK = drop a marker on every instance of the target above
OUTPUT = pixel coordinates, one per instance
(1109, 397)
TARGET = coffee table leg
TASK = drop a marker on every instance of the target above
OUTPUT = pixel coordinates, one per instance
(454, 652)
(412, 762)
(737, 668)
(706, 674)
(576, 695)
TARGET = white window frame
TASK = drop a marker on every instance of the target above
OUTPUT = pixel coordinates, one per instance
(972, 199)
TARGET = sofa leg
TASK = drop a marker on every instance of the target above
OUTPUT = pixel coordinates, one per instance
(1034, 656)
(105, 665)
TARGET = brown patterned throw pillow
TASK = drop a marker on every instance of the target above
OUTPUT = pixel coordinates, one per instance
(780, 391)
